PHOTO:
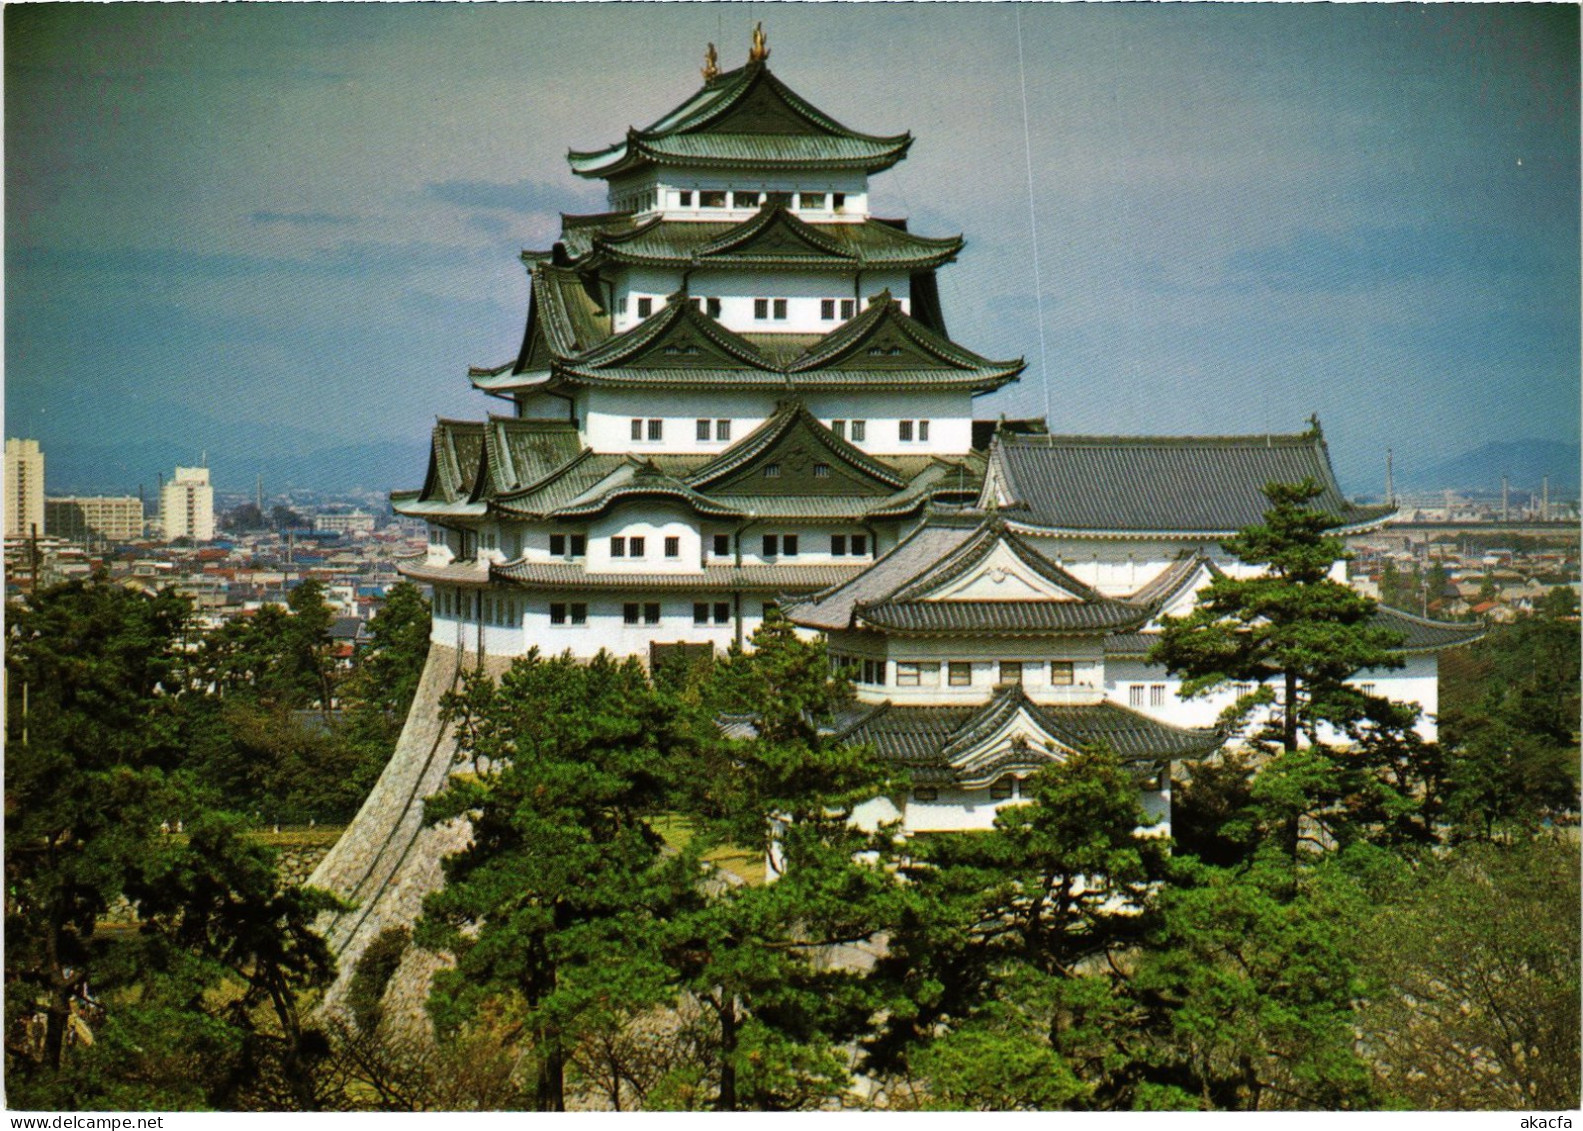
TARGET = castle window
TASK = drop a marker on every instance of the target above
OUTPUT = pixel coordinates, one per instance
(918, 673)
(637, 429)
(558, 545)
(780, 310)
(744, 200)
(687, 350)
(673, 547)
(1367, 688)
(629, 613)
(722, 612)
(636, 545)
(1003, 788)
(767, 608)
(838, 201)
(827, 309)
(813, 200)
(839, 428)
(960, 673)
(703, 429)
(771, 545)
(712, 199)
(700, 612)
(557, 613)
(1011, 671)
(838, 545)
(712, 307)
(905, 428)
(1157, 695)
(789, 545)
(1061, 673)
(923, 430)
(859, 431)
(781, 198)
(722, 545)
(579, 612)
(579, 545)
(722, 430)
(651, 614)
(684, 199)
(1135, 695)
(618, 547)
(656, 429)
(645, 307)
(848, 308)
(761, 308)
(821, 471)
(860, 545)
(874, 671)
(772, 471)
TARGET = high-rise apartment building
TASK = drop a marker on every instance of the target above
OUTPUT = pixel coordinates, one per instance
(96, 518)
(186, 506)
(24, 488)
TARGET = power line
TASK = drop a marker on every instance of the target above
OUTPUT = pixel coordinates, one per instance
(1033, 223)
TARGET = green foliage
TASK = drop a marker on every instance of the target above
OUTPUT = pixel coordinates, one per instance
(375, 967)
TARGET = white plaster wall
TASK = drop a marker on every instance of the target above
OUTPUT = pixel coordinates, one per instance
(736, 290)
(1088, 671)
(950, 417)
(653, 524)
(543, 406)
(670, 180)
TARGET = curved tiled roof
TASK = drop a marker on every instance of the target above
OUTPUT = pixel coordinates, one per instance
(1001, 618)
(1419, 635)
(1205, 486)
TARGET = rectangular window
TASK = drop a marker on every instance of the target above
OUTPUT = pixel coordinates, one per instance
(781, 198)
(839, 428)
(629, 613)
(722, 430)
(838, 545)
(859, 431)
(838, 202)
(821, 471)
(684, 199)
(960, 673)
(673, 547)
(636, 545)
(923, 430)
(813, 200)
(558, 545)
(557, 613)
(905, 428)
(656, 429)
(789, 545)
(860, 545)
(772, 471)
(579, 545)
(848, 308)
(1002, 788)
(918, 673)
(637, 429)
(579, 612)
(700, 612)
(1157, 695)
(874, 671)
(745, 200)
(712, 199)
(1135, 695)
(1011, 671)
(722, 545)
(771, 545)
(621, 306)
(651, 614)
(712, 307)
(1367, 688)
(618, 547)
(645, 307)
(1061, 673)
(780, 310)
(827, 309)
(722, 612)
(761, 308)
(703, 429)
(906, 673)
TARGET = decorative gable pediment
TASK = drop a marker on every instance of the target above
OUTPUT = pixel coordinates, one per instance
(800, 462)
(1018, 740)
(1002, 575)
(761, 110)
(1185, 596)
(774, 232)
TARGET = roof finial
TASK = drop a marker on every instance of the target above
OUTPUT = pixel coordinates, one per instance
(760, 49)
(711, 64)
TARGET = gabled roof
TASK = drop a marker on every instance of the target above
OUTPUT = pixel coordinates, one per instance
(678, 337)
(745, 118)
(793, 426)
(773, 237)
(946, 745)
(1420, 635)
(1199, 486)
(883, 338)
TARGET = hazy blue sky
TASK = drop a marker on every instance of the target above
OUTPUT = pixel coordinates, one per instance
(311, 213)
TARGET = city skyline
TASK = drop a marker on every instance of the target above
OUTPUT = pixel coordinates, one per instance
(305, 218)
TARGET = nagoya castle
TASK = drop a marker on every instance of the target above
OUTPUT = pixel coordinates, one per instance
(735, 391)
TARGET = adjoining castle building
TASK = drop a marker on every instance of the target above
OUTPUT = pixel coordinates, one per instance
(736, 390)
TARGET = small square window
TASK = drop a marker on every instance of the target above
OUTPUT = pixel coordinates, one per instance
(579, 613)
(673, 546)
(745, 200)
(839, 428)
(771, 545)
(859, 431)
(827, 309)
(712, 307)
(637, 546)
(960, 673)
(1061, 673)
(722, 430)
(579, 545)
(700, 612)
(838, 545)
(656, 429)
(923, 430)
(629, 613)
(821, 471)
(1135, 695)
(722, 545)
(789, 545)
(684, 199)
(558, 545)
(1011, 671)
(712, 199)
(703, 429)
(1003, 788)
(906, 430)
(618, 547)
(848, 308)
(1157, 695)
(651, 614)
(860, 545)
(645, 307)
(780, 310)
(722, 612)
(772, 471)
(557, 613)
(838, 202)
(907, 673)
(637, 429)
(761, 308)
(812, 200)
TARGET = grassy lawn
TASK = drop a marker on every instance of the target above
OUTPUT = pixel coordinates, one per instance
(740, 862)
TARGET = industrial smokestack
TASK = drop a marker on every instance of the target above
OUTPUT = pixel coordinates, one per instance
(1390, 480)
(1505, 501)
(1544, 509)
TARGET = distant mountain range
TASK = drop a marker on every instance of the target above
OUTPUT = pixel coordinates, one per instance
(1525, 463)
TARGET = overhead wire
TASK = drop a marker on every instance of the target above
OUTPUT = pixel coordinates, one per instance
(1033, 221)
